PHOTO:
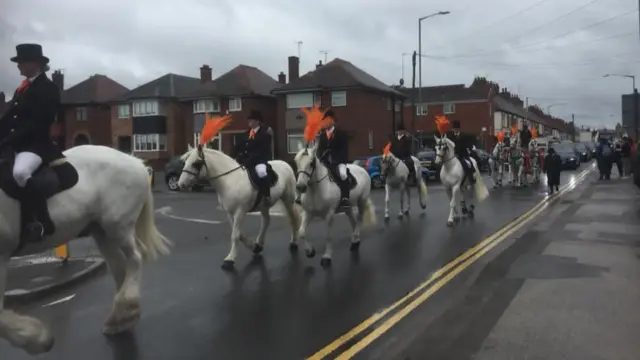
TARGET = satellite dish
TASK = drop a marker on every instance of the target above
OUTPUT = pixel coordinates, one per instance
(401, 82)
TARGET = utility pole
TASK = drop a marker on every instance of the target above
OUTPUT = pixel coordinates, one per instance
(325, 52)
(573, 127)
(299, 43)
(413, 102)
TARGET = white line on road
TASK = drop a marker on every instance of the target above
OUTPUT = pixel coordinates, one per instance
(60, 301)
(166, 212)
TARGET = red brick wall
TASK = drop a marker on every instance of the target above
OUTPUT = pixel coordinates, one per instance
(120, 127)
(97, 127)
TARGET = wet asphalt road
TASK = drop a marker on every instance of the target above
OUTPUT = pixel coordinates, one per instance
(283, 307)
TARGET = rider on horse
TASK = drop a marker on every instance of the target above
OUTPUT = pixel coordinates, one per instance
(463, 149)
(525, 139)
(255, 154)
(401, 148)
(25, 128)
(333, 151)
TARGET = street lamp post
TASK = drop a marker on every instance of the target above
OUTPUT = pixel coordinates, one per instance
(420, 55)
(635, 101)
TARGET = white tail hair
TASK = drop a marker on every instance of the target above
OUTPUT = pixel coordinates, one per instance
(151, 242)
(368, 214)
(479, 188)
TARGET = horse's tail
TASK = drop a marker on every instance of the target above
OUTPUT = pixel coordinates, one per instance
(151, 242)
(479, 188)
(422, 187)
(368, 213)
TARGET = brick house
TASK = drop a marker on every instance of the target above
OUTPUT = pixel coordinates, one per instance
(238, 92)
(85, 113)
(359, 101)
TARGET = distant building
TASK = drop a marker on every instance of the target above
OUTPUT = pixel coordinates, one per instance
(628, 122)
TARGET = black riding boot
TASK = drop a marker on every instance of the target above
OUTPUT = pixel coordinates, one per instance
(344, 195)
(38, 223)
(265, 191)
(468, 170)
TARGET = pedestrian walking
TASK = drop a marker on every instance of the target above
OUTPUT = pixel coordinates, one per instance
(552, 167)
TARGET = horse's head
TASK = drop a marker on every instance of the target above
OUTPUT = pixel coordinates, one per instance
(497, 150)
(443, 148)
(386, 162)
(306, 163)
(193, 161)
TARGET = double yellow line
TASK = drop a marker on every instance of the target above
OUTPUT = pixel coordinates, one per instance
(443, 276)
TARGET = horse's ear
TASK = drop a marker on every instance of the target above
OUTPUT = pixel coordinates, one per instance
(302, 146)
(199, 149)
(444, 135)
(189, 147)
(436, 137)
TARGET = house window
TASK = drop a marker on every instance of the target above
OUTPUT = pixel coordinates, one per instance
(149, 142)
(370, 139)
(338, 98)
(216, 143)
(398, 105)
(124, 111)
(206, 106)
(235, 104)
(422, 109)
(297, 101)
(449, 108)
(147, 108)
(295, 141)
(81, 114)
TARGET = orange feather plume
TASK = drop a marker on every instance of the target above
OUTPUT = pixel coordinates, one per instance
(442, 123)
(534, 133)
(387, 149)
(514, 130)
(213, 125)
(500, 135)
(315, 122)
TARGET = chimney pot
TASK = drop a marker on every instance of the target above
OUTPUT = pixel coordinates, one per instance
(319, 64)
(282, 78)
(206, 74)
(294, 68)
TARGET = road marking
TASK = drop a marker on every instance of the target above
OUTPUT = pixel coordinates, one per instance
(166, 212)
(60, 301)
(494, 239)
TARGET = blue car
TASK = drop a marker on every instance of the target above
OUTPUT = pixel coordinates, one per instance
(372, 165)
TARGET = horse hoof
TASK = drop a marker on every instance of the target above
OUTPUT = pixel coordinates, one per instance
(400, 215)
(293, 247)
(355, 246)
(406, 212)
(471, 208)
(311, 253)
(325, 262)
(387, 217)
(228, 265)
(257, 248)
(450, 223)
(464, 211)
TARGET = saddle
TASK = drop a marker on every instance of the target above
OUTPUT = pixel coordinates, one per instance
(50, 179)
(351, 180)
(272, 177)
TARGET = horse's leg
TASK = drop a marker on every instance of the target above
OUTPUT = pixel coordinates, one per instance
(387, 190)
(126, 304)
(302, 235)
(407, 189)
(236, 236)
(294, 220)
(258, 246)
(452, 205)
(401, 190)
(328, 240)
(355, 225)
(21, 331)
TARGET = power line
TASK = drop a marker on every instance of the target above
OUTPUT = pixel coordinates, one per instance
(557, 64)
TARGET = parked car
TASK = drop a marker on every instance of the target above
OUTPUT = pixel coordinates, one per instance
(427, 159)
(172, 172)
(372, 165)
(583, 151)
(568, 155)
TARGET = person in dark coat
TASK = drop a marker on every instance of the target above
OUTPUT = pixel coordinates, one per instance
(552, 167)
(525, 137)
(25, 128)
(463, 149)
(333, 151)
(254, 154)
(401, 148)
(605, 158)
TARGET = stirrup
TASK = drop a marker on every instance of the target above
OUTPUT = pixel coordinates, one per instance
(34, 231)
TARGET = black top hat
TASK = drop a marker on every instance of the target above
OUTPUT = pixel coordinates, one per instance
(400, 127)
(330, 114)
(29, 52)
(255, 115)
(456, 124)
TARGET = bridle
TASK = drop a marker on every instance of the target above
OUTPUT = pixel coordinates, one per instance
(391, 166)
(200, 163)
(309, 174)
(440, 145)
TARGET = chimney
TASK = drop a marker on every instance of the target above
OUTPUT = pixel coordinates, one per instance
(294, 68)
(319, 64)
(58, 78)
(206, 74)
(282, 78)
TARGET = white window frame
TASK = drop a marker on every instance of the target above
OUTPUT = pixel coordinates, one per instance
(158, 142)
(148, 108)
(338, 98)
(196, 140)
(370, 139)
(422, 109)
(124, 111)
(297, 135)
(449, 108)
(206, 106)
(81, 114)
(300, 100)
(235, 104)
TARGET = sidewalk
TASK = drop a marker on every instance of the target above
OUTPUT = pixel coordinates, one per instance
(38, 275)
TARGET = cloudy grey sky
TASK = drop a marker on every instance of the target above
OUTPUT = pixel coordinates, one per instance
(553, 51)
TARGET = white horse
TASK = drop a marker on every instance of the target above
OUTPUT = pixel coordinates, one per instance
(321, 197)
(452, 176)
(516, 162)
(534, 152)
(396, 174)
(100, 192)
(496, 163)
(238, 196)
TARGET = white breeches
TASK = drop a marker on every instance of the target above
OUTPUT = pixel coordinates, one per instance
(25, 164)
(342, 170)
(261, 170)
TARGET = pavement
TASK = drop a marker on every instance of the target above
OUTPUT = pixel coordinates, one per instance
(283, 307)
